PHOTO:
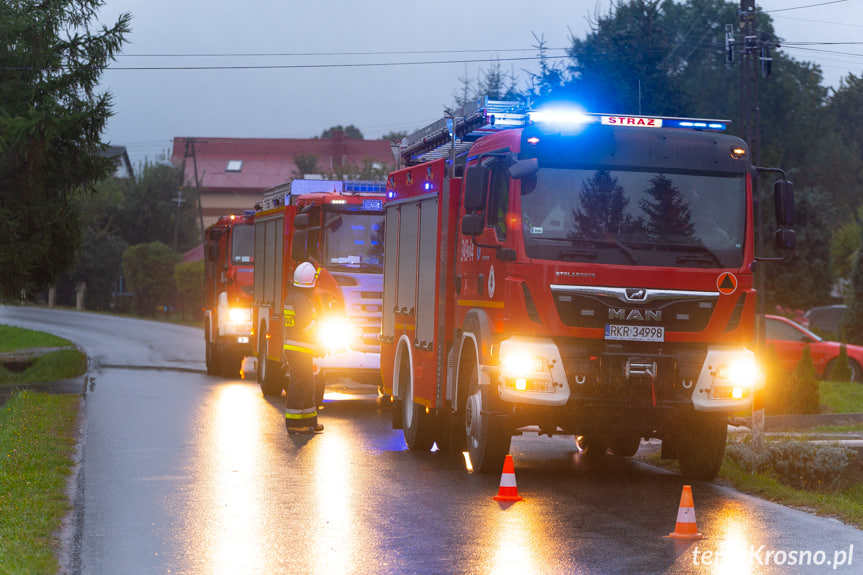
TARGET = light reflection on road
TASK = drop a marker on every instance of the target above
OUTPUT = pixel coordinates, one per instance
(514, 553)
(231, 537)
(736, 531)
(335, 544)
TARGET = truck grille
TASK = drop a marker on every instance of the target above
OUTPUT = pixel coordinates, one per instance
(632, 372)
(589, 311)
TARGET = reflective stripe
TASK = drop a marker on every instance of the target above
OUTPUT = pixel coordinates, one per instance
(300, 348)
(301, 415)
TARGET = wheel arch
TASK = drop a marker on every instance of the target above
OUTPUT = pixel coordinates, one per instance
(403, 347)
(475, 343)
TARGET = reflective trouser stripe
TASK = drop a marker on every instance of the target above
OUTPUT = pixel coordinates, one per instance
(307, 415)
(299, 348)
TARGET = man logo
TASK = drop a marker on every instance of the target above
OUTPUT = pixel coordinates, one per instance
(636, 294)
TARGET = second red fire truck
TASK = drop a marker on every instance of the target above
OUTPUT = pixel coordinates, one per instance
(583, 274)
(338, 226)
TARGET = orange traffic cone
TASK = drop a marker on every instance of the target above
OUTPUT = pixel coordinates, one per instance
(685, 527)
(508, 490)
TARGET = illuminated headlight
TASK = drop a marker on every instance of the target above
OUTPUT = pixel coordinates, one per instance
(240, 315)
(336, 333)
(520, 364)
(735, 380)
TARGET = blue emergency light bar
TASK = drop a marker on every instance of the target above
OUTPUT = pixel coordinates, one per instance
(574, 117)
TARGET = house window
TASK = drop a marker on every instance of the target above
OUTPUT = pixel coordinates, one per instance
(234, 166)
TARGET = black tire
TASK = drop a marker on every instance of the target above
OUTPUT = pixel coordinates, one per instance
(593, 447)
(625, 445)
(856, 371)
(488, 436)
(269, 377)
(701, 447)
(418, 426)
(211, 356)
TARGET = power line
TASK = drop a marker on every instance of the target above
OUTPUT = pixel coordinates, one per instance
(352, 53)
(342, 65)
(801, 7)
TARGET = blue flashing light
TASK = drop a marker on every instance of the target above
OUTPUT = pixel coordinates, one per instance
(695, 124)
(359, 243)
(374, 205)
(562, 116)
(427, 186)
(358, 228)
(391, 195)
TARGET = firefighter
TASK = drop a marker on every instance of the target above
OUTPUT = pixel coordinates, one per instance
(301, 415)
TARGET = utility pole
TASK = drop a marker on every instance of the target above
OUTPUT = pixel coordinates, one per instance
(190, 153)
(749, 117)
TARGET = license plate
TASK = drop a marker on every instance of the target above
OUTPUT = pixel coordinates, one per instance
(634, 332)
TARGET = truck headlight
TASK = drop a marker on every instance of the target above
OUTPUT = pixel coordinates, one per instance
(518, 364)
(336, 333)
(240, 315)
(735, 379)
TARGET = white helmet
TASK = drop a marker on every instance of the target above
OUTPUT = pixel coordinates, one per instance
(305, 275)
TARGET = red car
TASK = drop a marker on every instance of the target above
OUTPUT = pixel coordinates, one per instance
(789, 339)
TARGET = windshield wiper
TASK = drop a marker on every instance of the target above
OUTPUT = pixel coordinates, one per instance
(605, 243)
(704, 256)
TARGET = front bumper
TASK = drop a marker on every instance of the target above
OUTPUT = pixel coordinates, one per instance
(591, 375)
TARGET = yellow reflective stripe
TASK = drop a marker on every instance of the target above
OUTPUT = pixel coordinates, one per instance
(300, 348)
(301, 415)
(479, 303)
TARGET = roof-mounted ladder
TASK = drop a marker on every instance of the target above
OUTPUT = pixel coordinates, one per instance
(469, 123)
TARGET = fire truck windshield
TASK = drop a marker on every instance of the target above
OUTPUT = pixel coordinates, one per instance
(354, 241)
(634, 218)
(243, 245)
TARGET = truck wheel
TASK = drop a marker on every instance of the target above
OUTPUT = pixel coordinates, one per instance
(625, 445)
(488, 437)
(213, 367)
(416, 423)
(269, 377)
(593, 448)
(701, 447)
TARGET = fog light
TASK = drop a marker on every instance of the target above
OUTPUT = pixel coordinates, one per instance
(521, 384)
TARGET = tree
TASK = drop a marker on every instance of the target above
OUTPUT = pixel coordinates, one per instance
(306, 164)
(51, 121)
(189, 278)
(149, 272)
(349, 131)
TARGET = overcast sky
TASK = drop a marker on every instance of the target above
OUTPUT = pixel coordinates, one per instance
(323, 48)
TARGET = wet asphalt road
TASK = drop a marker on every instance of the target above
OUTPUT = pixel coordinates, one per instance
(186, 473)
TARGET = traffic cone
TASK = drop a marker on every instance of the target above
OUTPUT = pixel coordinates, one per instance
(508, 490)
(685, 527)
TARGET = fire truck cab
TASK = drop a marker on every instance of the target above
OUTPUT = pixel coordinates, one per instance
(585, 274)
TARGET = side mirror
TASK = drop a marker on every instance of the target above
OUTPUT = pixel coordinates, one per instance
(301, 221)
(212, 252)
(523, 168)
(783, 200)
(298, 245)
(786, 239)
(472, 224)
(475, 185)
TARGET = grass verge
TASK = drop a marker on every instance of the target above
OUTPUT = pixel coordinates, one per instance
(53, 366)
(38, 434)
(841, 396)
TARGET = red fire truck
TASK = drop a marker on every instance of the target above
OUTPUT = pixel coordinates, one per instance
(338, 226)
(589, 275)
(230, 267)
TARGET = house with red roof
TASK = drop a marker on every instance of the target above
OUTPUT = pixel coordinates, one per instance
(232, 173)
